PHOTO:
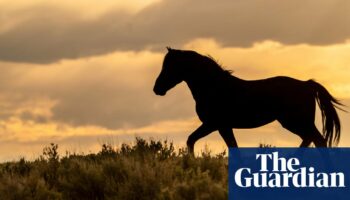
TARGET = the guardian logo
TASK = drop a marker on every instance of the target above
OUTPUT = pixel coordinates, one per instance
(289, 173)
(286, 173)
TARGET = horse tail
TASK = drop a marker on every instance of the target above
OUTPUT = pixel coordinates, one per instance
(330, 119)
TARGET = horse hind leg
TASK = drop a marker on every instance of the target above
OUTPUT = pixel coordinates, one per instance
(306, 142)
(308, 134)
(313, 135)
(317, 138)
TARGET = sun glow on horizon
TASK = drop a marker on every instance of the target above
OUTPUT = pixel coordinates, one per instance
(73, 72)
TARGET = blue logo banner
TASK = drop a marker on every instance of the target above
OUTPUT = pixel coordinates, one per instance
(289, 173)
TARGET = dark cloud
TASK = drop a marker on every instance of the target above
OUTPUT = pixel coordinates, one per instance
(47, 34)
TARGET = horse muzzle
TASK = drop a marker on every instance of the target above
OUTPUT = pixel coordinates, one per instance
(159, 92)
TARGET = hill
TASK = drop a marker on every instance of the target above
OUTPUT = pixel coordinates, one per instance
(145, 170)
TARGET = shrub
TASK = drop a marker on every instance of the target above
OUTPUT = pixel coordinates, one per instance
(148, 169)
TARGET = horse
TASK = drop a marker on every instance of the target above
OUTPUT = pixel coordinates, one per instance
(224, 102)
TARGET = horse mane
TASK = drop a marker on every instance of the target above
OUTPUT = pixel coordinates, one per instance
(213, 63)
(206, 61)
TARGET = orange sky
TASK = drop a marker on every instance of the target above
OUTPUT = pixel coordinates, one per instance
(79, 74)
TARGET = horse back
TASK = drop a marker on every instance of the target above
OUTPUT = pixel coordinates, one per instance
(247, 104)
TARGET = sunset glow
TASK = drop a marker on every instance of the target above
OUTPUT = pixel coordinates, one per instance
(81, 73)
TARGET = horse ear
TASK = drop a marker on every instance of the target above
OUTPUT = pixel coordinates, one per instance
(169, 48)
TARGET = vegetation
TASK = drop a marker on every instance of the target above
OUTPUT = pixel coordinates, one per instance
(146, 170)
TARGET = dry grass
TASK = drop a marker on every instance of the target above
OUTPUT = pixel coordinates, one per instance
(146, 170)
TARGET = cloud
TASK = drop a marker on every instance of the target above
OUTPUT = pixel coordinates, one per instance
(115, 90)
(327, 64)
(74, 73)
(26, 137)
(112, 91)
(44, 32)
(91, 98)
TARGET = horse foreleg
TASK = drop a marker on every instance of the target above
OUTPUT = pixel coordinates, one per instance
(201, 131)
(227, 135)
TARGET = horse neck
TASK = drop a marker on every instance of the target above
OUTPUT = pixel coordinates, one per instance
(204, 84)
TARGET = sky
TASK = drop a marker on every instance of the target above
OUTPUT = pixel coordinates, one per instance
(81, 73)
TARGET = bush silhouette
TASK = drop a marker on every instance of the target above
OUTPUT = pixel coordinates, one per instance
(148, 169)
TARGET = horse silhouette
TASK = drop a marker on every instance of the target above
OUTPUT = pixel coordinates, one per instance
(224, 101)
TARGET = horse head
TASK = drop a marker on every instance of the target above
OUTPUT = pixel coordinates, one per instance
(172, 72)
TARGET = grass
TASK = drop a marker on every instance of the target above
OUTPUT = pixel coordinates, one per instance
(146, 170)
